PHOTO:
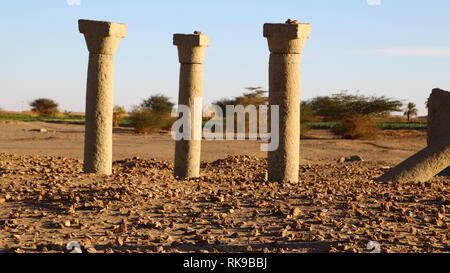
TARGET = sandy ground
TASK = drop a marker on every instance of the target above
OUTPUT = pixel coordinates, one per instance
(46, 201)
(320, 147)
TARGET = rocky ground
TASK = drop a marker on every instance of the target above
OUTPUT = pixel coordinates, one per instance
(47, 202)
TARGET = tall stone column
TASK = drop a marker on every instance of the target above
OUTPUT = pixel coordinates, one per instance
(191, 52)
(286, 43)
(102, 39)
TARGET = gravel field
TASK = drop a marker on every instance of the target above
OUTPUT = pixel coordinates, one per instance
(47, 202)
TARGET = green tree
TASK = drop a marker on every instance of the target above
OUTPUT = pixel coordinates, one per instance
(411, 111)
(158, 104)
(44, 107)
(341, 105)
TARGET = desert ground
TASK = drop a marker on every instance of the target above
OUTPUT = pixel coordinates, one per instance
(46, 201)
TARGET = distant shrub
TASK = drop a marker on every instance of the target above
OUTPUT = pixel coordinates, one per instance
(44, 107)
(146, 121)
(158, 104)
(357, 127)
(306, 116)
(118, 115)
(60, 115)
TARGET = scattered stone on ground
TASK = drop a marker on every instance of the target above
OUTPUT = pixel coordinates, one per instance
(354, 158)
(48, 202)
(42, 130)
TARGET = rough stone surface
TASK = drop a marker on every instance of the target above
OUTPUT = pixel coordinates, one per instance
(285, 44)
(191, 52)
(102, 40)
(438, 117)
(287, 38)
(354, 158)
(191, 47)
(424, 165)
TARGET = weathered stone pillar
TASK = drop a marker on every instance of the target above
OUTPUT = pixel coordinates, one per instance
(438, 117)
(435, 158)
(191, 52)
(102, 39)
(286, 43)
(424, 165)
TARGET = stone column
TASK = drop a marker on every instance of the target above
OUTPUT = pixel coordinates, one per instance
(438, 118)
(286, 43)
(438, 115)
(191, 52)
(102, 39)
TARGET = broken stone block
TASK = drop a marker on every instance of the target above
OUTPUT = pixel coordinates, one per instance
(424, 165)
(438, 117)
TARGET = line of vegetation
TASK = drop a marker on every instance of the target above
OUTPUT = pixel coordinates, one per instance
(29, 117)
(348, 116)
(383, 125)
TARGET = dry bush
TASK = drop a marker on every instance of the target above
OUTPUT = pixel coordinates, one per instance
(19, 114)
(61, 115)
(358, 127)
(169, 121)
(118, 115)
(44, 107)
(28, 113)
(146, 121)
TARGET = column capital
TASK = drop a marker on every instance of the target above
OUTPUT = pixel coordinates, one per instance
(191, 47)
(288, 38)
(102, 37)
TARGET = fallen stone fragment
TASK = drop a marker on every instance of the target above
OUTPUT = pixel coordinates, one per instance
(41, 130)
(354, 158)
(422, 166)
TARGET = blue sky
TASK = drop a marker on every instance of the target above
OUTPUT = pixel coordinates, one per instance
(400, 48)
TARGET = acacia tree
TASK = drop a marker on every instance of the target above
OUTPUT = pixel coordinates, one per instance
(342, 105)
(253, 96)
(411, 111)
(45, 107)
(222, 103)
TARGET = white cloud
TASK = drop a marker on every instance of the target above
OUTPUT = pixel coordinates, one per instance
(431, 51)
(374, 2)
(73, 2)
